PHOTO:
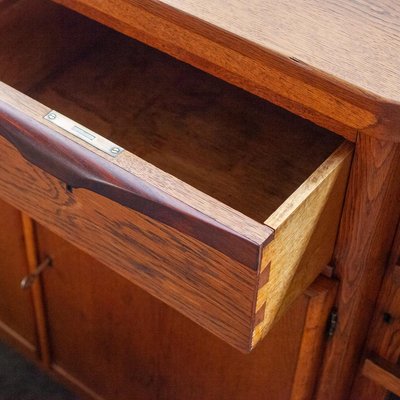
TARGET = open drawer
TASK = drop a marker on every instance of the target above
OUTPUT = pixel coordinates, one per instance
(218, 203)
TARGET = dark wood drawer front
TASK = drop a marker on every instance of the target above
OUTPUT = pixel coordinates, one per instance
(199, 281)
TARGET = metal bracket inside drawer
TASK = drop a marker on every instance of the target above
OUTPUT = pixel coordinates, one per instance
(83, 133)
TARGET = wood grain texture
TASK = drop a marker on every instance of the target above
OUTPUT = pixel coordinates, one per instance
(383, 336)
(368, 224)
(190, 216)
(285, 149)
(209, 134)
(79, 168)
(34, 35)
(305, 231)
(200, 282)
(383, 373)
(301, 55)
(321, 296)
(133, 346)
(204, 284)
(32, 258)
(17, 322)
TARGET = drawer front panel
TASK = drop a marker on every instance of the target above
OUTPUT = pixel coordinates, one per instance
(202, 283)
(78, 166)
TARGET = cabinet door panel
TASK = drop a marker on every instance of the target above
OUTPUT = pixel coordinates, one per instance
(17, 322)
(111, 338)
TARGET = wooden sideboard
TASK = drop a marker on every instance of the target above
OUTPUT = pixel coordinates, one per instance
(175, 213)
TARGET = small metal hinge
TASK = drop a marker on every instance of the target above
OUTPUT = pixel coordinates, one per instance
(332, 322)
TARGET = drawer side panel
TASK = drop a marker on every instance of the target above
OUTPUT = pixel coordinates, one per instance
(306, 228)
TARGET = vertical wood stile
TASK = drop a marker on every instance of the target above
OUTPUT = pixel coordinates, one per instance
(37, 290)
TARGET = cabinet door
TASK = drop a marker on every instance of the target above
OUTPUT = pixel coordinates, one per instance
(17, 322)
(113, 340)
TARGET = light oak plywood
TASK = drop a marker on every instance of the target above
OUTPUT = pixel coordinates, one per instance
(305, 232)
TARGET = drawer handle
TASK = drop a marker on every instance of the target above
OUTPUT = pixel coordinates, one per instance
(28, 280)
(79, 167)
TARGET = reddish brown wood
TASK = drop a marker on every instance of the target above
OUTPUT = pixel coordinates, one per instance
(132, 346)
(32, 258)
(261, 162)
(202, 283)
(81, 168)
(366, 234)
(294, 54)
(322, 295)
(383, 337)
(27, 57)
(383, 373)
(17, 321)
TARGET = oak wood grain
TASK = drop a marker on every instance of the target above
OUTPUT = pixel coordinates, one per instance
(305, 227)
(299, 29)
(335, 63)
(368, 225)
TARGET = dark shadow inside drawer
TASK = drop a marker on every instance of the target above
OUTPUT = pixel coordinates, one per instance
(237, 148)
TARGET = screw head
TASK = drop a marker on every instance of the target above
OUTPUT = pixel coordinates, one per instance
(115, 150)
(52, 116)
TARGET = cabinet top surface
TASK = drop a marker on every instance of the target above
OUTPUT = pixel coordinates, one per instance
(354, 41)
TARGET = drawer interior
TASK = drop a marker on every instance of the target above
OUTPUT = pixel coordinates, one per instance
(231, 145)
